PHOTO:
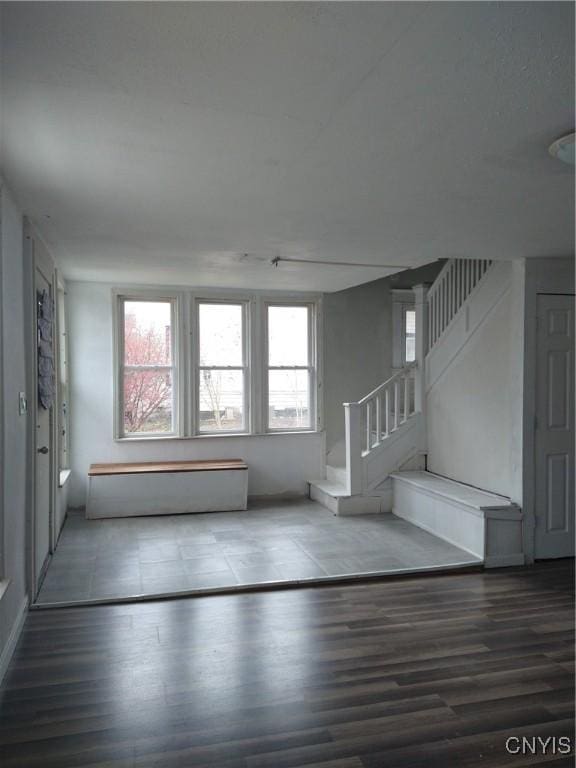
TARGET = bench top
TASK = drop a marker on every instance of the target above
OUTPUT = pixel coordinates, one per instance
(149, 467)
(458, 492)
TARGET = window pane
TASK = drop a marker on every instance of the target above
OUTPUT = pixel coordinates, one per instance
(410, 351)
(147, 333)
(288, 335)
(288, 399)
(221, 407)
(147, 401)
(220, 334)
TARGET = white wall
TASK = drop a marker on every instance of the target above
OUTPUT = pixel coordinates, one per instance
(278, 464)
(14, 427)
(472, 411)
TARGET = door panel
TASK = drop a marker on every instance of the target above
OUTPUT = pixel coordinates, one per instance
(555, 427)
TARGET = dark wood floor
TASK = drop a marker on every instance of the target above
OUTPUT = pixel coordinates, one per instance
(422, 672)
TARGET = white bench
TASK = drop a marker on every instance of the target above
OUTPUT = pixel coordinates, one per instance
(166, 488)
(485, 524)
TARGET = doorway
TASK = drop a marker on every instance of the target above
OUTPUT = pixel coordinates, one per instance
(554, 436)
(43, 409)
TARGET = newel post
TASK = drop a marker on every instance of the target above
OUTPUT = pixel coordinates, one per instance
(421, 307)
(353, 423)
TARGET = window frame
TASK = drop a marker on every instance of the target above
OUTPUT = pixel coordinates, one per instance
(196, 367)
(405, 309)
(311, 367)
(186, 353)
(403, 300)
(175, 300)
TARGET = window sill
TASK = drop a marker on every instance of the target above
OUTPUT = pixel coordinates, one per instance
(232, 435)
(4, 584)
(63, 477)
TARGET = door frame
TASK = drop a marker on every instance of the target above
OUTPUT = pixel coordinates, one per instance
(554, 275)
(37, 256)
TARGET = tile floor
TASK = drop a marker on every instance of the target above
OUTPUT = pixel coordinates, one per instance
(290, 541)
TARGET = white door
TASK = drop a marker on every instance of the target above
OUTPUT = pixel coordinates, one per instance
(555, 427)
(43, 455)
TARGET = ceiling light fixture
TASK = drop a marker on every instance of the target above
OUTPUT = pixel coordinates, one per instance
(277, 259)
(563, 148)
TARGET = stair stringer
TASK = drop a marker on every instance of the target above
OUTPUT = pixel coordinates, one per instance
(402, 445)
(478, 305)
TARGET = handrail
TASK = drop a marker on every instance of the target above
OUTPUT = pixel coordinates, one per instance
(398, 375)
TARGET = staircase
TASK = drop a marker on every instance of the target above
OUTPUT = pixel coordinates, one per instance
(385, 431)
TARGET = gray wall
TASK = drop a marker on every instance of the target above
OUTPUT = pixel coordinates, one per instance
(357, 349)
(358, 345)
(14, 426)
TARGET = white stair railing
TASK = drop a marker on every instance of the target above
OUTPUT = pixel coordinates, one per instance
(450, 290)
(371, 420)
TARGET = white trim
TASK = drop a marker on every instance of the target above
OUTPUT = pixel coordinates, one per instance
(245, 367)
(13, 638)
(311, 367)
(63, 477)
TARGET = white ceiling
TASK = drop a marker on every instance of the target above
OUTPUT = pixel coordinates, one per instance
(157, 142)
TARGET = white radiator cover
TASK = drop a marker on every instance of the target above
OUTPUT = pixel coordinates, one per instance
(166, 493)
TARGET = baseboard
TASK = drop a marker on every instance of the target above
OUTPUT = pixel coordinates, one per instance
(13, 637)
(504, 561)
(263, 498)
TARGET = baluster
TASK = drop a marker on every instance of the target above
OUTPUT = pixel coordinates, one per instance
(446, 298)
(453, 290)
(378, 419)
(454, 287)
(437, 314)
(441, 306)
(396, 404)
(387, 409)
(457, 288)
(368, 426)
(449, 295)
(406, 396)
(441, 324)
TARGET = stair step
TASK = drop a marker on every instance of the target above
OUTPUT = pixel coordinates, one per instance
(336, 475)
(334, 497)
(334, 489)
